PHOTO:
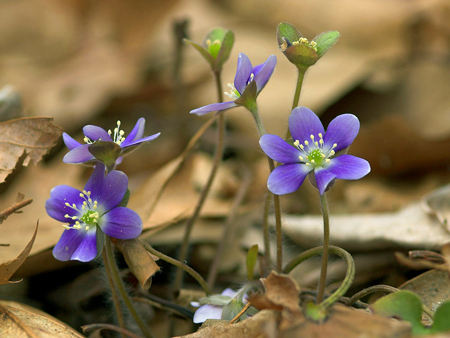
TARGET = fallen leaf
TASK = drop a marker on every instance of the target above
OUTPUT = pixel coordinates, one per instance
(139, 260)
(32, 136)
(23, 321)
(9, 268)
(437, 204)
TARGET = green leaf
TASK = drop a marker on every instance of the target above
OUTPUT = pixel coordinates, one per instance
(203, 52)
(248, 97)
(252, 257)
(441, 319)
(232, 309)
(405, 305)
(325, 41)
(225, 50)
(288, 31)
(215, 34)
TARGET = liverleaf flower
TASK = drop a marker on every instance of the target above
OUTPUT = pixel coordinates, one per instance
(299, 50)
(314, 152)
(248, 83)
(225, 306)
(216, 47)
(90, 214)
(105, 146)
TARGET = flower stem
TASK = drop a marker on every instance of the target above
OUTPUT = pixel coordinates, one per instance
(180, 265)
(276, 199)
(204, 193)
(298, 90)
(118, 281)
(375, 288)
(326, 245)
(265, 225)
(349, 276)
(115, 295)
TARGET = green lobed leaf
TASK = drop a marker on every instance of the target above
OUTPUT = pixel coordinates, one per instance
(441, 319)
(203, 52)
(405, 305)
(286, 30)
(325, 41)
(252, 257)
(225, 50)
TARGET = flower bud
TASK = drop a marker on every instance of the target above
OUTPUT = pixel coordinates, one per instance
(216, 47)
(299, 50)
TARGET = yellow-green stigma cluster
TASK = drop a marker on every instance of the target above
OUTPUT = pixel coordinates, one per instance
(213, 47)
(89, 214)
(313, 152)
(305, 41)
(118, 134)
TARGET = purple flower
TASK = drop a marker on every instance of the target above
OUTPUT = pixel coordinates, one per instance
(210, 311)
(245, 74)
(91, 213)
(314, 151)
(79, 153)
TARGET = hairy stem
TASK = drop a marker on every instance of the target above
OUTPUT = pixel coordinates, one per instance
(115, 295)
(326, 245)
(118, 281)
(276, 198)
(204, 193)
(180, 265)
(349, 276)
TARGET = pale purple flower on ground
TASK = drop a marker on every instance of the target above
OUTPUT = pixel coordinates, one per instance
(314, 151)
(91, 213)
(209, 311)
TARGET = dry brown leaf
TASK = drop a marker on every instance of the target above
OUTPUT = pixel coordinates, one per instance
(436, 204)
(282, 292)
(139, 260)
(32, 136)
(9, 268)
(263, 324)
(23, 321)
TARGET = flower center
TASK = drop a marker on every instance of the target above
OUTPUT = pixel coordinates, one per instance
(213, 47)
(234, 93)
(305, 41)
(117, 137)
(313, 152)
(89, 214)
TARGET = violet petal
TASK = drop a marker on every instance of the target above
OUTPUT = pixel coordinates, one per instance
(70, 142)
(68, 243)
(303, 123)
(243, 71)
(278, 149)
(342, 131)
(136, 133)
(96, 182)
(287, 178)
(229, 292)
(213, 107)
(265, 72)
(121, 223)
(139, 141)
(207, 312)
(323, 178)
(59, 195)
(96, 133)
(348, 167)
(79, 155)
(87, 249)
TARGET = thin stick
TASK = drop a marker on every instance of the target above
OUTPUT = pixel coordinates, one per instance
(240, 313)
(13, 208)
(215, 166)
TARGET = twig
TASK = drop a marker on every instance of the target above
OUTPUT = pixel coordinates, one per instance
(13, 208)
(240, 313)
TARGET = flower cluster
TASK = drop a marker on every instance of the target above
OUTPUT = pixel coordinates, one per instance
(100, 208)
(314, 151)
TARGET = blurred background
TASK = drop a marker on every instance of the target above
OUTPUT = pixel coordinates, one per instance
(96, 62)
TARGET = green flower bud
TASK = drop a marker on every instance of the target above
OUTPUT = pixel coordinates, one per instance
(299, 50)
(216, 47)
